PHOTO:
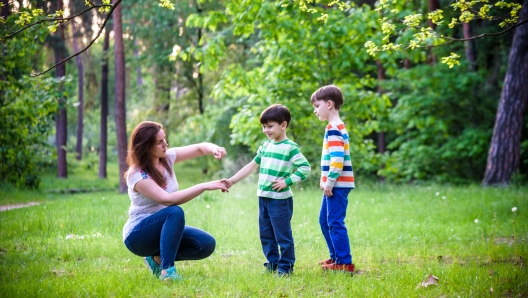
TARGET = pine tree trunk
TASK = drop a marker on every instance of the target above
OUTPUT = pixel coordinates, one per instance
(80, 94)
(119, 52)
(505, 147)
(104, 107)
(61, 122)
(5, 9)
(469, 46)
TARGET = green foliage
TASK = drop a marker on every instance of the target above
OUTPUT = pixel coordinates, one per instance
(25, 128)
(294, 56)
(442, 123)
(27, 106)
(400, 19)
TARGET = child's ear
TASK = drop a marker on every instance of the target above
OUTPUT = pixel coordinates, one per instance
(330, 104)
(284, 124)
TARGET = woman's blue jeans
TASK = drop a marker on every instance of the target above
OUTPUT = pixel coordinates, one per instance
(275, 232)
(332, 221)
(164, 233)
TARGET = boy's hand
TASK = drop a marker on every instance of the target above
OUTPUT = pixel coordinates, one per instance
(328, 191)
(279, 185)
(227, 184)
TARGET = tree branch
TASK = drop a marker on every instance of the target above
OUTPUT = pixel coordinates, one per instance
(88, 46)
(6, 27)
(65, 20)
(485, 34)
(451, 40)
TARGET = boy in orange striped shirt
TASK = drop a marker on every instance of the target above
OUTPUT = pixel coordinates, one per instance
(337, 178)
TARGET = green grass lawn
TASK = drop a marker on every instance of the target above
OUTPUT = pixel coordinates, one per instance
(70, 245)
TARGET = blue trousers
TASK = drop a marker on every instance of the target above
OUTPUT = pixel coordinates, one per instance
(275, 232)
(332, 221)
(164, 233)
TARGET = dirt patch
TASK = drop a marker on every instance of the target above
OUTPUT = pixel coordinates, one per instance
(16, 206)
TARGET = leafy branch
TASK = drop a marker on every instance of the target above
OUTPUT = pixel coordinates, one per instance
(26, 19)
(424, 36)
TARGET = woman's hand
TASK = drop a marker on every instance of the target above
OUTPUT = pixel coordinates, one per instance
(219, 152)
(213, 185)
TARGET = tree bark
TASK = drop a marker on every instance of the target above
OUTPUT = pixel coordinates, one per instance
(5, 11)
(104, 107)
(469, 46)
(80, 94)
(504, 152)
(61, 121)
(119, 53)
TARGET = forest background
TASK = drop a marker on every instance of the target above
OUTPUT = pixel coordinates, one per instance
(206, 69)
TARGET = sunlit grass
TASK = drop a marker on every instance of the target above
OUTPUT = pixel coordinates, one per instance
(70, 244)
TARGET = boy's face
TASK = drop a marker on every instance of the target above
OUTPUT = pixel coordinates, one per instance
(321, 109)
(275, 131)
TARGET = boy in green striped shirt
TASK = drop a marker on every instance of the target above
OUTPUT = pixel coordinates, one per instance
(281, 165)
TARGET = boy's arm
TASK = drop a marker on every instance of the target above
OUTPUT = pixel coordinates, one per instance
(243, 173)
(302, 169)
(300, 163)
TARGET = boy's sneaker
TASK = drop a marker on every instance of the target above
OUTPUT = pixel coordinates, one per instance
(171, 275)
(327, 262)
(154, 267)
(283, 273)
(340, 267)
(270, 267)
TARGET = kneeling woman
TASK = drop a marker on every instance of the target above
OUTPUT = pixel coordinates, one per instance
(156, 226)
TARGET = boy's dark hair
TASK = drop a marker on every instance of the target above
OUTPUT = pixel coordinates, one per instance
(327, 93)
(275, 113)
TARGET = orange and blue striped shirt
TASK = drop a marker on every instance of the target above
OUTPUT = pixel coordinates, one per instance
(336, 165)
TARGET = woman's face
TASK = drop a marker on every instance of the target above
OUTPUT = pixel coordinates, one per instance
(159, 150)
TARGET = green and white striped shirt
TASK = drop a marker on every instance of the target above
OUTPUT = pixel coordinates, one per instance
(280, 160)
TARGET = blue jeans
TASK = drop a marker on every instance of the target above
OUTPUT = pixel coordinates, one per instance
(275, 232)
(164, 233)
(332, 221)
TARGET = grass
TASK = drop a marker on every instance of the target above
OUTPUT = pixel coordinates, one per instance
(71, 246)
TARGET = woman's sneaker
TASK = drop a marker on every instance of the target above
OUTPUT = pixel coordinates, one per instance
(153, 266)
(172, 275)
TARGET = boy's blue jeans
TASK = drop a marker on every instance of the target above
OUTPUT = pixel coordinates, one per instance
(275, 232)
(164, 233)
(332, 221)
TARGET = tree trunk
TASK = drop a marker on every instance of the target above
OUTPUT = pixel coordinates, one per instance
(119, 52)
(61, 121)
(5, 10)
(104, 107)
(469, 46)
(80, 93)
(505, 147)
(432, 5)
(138, 69)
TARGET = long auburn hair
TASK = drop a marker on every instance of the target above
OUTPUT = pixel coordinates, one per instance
(142, 140)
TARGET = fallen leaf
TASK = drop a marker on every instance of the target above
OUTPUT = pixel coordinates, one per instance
(428, 281)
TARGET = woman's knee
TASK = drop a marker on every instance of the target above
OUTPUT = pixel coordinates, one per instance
(209, 246)
(176, 212)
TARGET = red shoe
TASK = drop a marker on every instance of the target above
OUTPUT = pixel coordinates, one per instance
(339, 267)
(326, 262)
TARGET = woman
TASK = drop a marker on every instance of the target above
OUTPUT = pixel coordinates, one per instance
(156, 225)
